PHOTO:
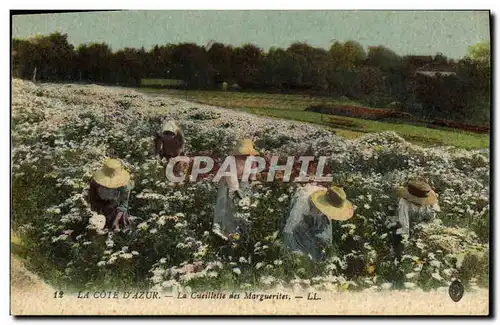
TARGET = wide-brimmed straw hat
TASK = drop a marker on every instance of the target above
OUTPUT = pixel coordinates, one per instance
(170, 126)
(333, 203)
(245, 148)
(112, 174)
(418, 192)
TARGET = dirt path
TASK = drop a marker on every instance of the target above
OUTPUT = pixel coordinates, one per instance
(23, 280)
(31, 296)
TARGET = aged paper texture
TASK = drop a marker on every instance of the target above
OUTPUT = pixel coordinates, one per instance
(251, 163)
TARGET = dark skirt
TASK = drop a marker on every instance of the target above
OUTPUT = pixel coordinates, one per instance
(169, 147)
(397, 242)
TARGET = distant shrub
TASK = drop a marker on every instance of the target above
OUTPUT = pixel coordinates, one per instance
(354, 111)
(123, 103)
(205, 116)
(162, 83)
(395, 106)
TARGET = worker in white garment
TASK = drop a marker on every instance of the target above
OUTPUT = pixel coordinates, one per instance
(308, 228)
(231, 191)
(417, 203)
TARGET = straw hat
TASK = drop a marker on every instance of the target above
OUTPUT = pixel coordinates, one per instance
(170, 126)
(112, 174)
(245, 148)
(332, 202)
(418, 192)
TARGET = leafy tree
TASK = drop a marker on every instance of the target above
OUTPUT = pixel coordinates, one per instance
(248, 65)
(161, 61)
(128, 65)
(476, 66)
(219, 58)
(372, 86)
(310, 61)
(283, 68)
(52, 55)
(189, 63)
(348, 55)
(94, 62)
(376, 77)
(480, 53)
(384, 58)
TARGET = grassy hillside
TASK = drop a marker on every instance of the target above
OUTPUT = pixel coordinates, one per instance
(293, 106)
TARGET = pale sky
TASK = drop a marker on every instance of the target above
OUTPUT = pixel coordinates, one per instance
(405, 32)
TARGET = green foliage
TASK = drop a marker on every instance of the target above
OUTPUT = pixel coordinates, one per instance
(151, 82)
(294, 107)
(377, 77)
(480, 52)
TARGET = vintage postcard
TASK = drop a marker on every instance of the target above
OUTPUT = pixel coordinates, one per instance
(250, 163)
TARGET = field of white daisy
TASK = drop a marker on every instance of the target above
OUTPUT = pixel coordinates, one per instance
(61, 134)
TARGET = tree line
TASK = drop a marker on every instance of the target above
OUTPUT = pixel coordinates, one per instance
(376, 76)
